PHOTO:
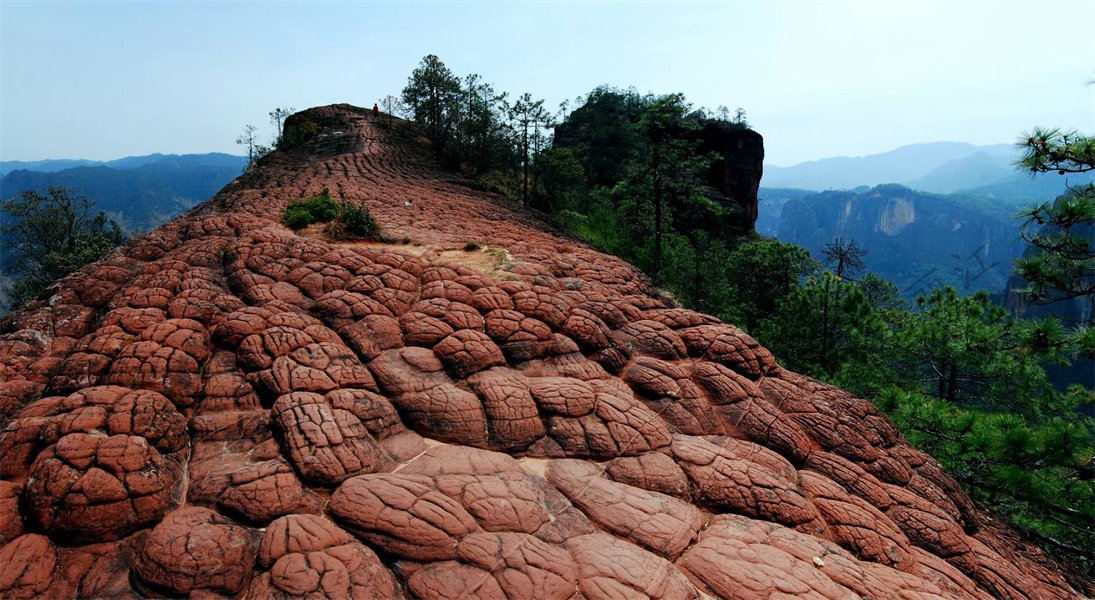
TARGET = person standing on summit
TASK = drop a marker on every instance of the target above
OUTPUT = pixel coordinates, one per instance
(376, 110)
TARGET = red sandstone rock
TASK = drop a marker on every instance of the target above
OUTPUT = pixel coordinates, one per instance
(11, 522)
(728, 483)
(447, 413)
(195, 549)
(611, 569)
(257, 492)
(490, 486)
(651, 338)
(513, 419)
(618, 426)
(652, 471)
(467, 352)
(309, 556)
(94, 488)
(751, 415)
(857, 526)
(403, 514)
(28, 566)
(372, 335)
(403, 381)
(659, 523)
(326, 445)
(504, 565)
(16, 394)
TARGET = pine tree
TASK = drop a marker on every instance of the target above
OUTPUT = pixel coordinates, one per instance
(1039, 472)
(672, 168)
(482, 143)
(823, 326)
(844, 258)
(1061, 265)
(50, 236)
(432, 95)
(528, 117)
(760, 274)
(971, 353)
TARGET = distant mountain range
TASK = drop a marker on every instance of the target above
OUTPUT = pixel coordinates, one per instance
(939, 167)
(129, 162)
(952, 201)
(140, 192)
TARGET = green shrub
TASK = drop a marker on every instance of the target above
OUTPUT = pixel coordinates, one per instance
(320, 208)
(358, 221)
(296, 216)
(471, 245)
(353, 222)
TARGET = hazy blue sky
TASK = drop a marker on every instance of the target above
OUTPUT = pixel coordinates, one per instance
(105, 80)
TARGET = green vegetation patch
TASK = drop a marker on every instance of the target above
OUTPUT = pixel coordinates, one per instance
(320, 208)
(354, 222)
(47, 237)
(296, 134)
(345, 221)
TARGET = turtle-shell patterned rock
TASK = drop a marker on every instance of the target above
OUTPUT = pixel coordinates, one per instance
(227, 408)
(196, 549)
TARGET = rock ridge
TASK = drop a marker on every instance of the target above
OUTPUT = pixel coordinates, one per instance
(223, 408)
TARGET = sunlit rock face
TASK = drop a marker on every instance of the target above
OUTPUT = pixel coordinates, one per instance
(225, 408)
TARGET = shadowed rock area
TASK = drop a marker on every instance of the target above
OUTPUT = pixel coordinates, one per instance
(225, 408)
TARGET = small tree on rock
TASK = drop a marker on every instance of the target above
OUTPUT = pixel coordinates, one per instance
(248, 138)
(392, 104)
(278, 116)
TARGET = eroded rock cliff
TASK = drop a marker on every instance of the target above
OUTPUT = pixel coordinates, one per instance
(918, 241)
(225, 408)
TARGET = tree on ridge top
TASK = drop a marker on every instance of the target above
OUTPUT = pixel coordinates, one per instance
(431, 95)
(278, 116)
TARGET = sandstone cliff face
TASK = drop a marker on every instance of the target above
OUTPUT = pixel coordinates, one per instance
(223, 408)
(737, 174)
(918, 241)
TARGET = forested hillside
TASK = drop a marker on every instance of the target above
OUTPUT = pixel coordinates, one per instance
(139, 192)
(918, 241)
(962, 198)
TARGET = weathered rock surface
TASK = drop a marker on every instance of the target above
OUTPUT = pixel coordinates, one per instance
(308, 556)
(197, 549)
(226, 408)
